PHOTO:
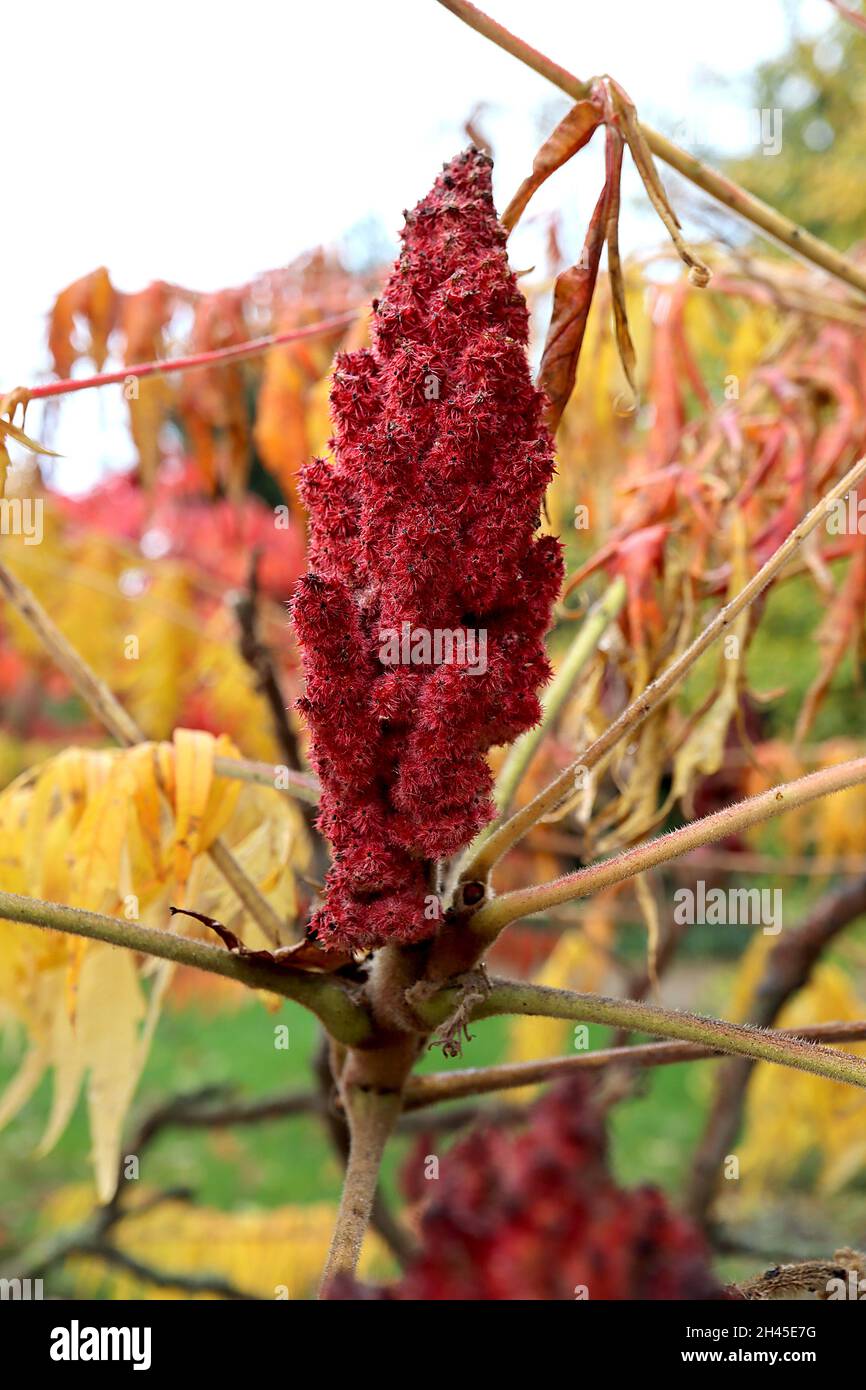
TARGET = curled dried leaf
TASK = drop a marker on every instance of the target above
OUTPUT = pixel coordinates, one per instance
(301, 955)
(573, 132)
(572, 297)
(626, 115)
(625, 347)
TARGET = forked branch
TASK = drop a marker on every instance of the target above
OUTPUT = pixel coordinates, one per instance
(489, 921)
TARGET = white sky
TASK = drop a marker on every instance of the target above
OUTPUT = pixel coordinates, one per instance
(202, 142)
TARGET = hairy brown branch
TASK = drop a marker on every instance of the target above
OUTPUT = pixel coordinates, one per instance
(441, 1086)
(489, 921)
(372, 1116)
(382, 1219)
(738, 1039)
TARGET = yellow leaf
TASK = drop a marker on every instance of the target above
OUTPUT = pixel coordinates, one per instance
(97, 843)
(193, 768)
(276, 1253)
(23, 1083)
(794, 1118)
(13, 432)
(66, 1055)
(223, 798)
(144, 766)
(111, 1008)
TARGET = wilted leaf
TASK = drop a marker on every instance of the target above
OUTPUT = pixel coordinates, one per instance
(642, 156)
(108, 1028)
(841, 628)
(702, 753)
(93, 300)
(613, 165)
(94, 828)
(573, 132)
(572, 297)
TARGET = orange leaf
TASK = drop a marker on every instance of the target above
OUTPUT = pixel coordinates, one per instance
(93, 299)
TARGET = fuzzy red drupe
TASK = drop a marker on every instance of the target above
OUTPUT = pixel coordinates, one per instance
(426, 516)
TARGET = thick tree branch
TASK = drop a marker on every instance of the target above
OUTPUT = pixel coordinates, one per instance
(326, 997)
(372, 1116)
(334, 1121)
(511, 831)
(724, 190)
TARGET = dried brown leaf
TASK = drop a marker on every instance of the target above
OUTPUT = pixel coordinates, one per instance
(573, 132)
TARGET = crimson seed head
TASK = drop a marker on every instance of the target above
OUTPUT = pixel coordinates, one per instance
(424, 523)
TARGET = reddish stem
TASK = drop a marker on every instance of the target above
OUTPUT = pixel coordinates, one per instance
(237, 353)
(858, 20)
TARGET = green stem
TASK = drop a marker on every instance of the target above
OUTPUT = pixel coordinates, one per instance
(345, 1019)
(738, 1039)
